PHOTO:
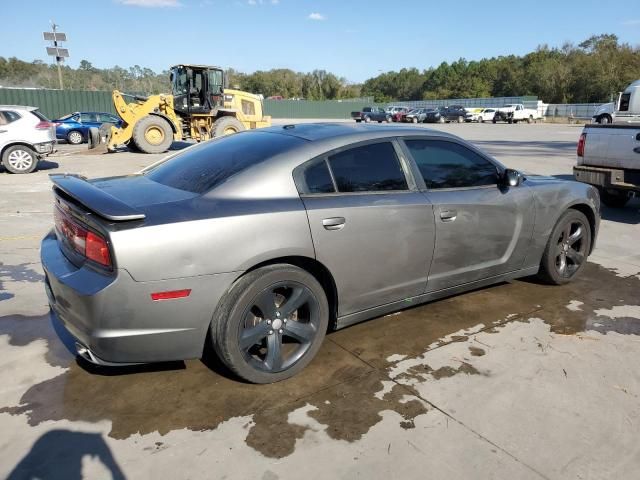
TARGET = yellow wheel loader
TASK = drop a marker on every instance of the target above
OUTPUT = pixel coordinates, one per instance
(199, 108)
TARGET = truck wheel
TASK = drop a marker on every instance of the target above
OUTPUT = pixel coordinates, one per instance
(414, 119)
(271, 323)
(358, 121)
(604, 119)
(20, 159)
(613, 198)
(530, 119)
(567, 248)
(74, 137)
(389, 120)
(367, 119)
(226, 126)
(152, 134)
(441, 120)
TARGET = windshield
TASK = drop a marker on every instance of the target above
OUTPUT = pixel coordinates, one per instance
(202, 168)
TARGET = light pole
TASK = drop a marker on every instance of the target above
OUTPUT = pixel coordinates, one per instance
(56, 51)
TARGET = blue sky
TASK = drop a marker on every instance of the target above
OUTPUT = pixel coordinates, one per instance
(356, 39)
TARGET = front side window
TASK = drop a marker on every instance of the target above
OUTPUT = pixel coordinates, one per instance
(369, 168)
(446, 164)
(625, 99)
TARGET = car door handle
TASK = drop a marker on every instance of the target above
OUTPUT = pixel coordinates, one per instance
(333, 223)
(448, 215)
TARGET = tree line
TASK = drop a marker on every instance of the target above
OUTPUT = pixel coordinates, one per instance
(588, 72)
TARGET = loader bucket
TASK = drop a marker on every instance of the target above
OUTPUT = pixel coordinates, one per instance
(99, 138)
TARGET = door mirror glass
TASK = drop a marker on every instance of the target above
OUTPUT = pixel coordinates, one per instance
(511, 178)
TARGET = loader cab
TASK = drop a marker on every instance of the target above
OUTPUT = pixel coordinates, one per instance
(197, 89)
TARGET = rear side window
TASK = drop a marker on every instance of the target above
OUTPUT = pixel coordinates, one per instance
(451, 165)
(40, 116)
(206, 166)
(8, 116)
(369, 168)
(318, 179)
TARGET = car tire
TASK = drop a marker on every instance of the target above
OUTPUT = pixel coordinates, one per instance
(561, 260)
(414, 119)
(367, 119)
(389, 119)
(441, 120)
(358, 121)
(152, 134)
(613, 198)
(460, 119)
(250, 344)
(530, 119)
(20, 159)
(74, 137)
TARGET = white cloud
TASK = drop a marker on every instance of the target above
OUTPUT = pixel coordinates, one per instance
(317, 16)
(262, 2)
(151, 3)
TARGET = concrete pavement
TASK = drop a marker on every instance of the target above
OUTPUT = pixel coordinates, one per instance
(519, 380)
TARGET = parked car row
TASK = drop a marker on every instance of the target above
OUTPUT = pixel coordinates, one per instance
(26, 135)
(513, 113)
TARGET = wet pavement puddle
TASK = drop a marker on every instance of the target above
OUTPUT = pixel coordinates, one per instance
(354, 378)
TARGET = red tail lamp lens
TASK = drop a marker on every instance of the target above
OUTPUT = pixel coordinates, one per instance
(97, 249)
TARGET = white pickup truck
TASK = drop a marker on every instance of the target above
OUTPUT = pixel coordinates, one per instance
(609, 158)
(515, 113)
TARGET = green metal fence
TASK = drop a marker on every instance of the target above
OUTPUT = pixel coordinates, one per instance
(56, 103)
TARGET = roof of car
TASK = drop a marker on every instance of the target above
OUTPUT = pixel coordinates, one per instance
(348, 131)
(18, 107)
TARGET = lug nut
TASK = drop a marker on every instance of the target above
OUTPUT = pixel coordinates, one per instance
(277, 314)
(270, 332)
(284, 321)
(280, 331)
(268, 322)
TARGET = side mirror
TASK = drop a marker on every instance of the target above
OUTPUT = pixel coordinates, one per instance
(511, 178)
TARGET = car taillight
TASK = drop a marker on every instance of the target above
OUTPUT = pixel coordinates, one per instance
(581, 144)
(44, 125)
(87, 243)
(97, 249)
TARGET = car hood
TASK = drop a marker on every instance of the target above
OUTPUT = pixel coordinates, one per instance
(140, 191)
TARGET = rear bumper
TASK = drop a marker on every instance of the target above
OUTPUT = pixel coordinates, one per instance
(45, 148)
(620, 179)
(113, 318)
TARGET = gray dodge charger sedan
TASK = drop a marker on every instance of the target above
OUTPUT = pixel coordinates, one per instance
(259, 242)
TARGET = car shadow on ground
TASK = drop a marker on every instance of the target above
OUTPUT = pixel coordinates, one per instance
(59, 454)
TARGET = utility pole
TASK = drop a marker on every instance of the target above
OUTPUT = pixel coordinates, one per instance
(56, 50)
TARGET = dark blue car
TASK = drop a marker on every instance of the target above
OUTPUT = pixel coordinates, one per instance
(74, 128)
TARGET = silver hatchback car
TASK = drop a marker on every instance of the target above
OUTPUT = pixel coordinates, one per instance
(260, 242)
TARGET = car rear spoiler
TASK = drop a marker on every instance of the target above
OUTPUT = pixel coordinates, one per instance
(94, 198)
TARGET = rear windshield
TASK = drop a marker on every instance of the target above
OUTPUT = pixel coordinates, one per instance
(40, 115)
(206, 166)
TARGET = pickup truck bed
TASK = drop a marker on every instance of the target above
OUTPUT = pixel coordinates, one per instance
(609, 158)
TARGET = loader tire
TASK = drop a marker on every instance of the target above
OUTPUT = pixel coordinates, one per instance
(152, 134)
(93, 137)
(226, 126)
